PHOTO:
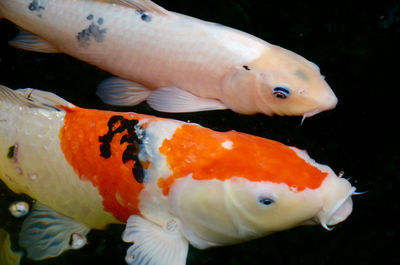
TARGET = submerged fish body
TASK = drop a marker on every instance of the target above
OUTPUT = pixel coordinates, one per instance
(176, 62)
(7, 255)
(172, 183)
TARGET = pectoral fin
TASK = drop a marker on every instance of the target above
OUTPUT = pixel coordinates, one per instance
(121, 92)
(30, 42)
(46, 233)
(173, 99)
(153, 244)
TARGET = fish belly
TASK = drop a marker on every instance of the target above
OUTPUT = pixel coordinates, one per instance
(153, 49)
(32, 162)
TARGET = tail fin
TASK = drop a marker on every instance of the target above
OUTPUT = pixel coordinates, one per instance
(33, 98)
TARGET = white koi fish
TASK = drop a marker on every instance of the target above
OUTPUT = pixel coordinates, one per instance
(172, 183)
(175, 62)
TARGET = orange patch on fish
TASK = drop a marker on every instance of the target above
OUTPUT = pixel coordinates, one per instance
(207, 154)
(101, 147)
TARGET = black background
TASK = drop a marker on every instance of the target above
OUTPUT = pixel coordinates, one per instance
(355, 43)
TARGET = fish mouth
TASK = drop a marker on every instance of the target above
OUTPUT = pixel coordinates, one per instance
(310, 114)
(338, 213)
(327, 102)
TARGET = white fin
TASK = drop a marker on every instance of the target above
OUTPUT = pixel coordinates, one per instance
(33, 98)
(172, 99)
(43, 97)
(30, 42)
(145, 5)
(46, 233)
(153, 244)
(121, 92)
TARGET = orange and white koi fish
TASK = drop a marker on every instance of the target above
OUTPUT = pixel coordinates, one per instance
(172, 183)
(175, 62)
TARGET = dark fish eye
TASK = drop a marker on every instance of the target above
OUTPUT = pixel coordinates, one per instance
(266, 201)
(281, 92)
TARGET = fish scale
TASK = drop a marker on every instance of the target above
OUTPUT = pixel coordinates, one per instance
(39, 164)
(171, 182)
(129, 42)
(175, 62)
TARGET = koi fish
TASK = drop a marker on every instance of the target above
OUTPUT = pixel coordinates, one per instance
(173, 183)
(175, 62)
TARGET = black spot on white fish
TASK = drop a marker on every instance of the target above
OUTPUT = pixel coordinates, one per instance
(92, 32)
(144, 15)
(246, 67)
(100, 21)
(120, 125)
(90, 17)
(11, 152)
(35, 6)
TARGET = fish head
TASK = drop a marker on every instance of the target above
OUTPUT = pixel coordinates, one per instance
(288, 84)
(279, 82)
(337, 202)
(281, 187)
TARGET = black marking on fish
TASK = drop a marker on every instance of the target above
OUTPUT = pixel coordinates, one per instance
(144, 15)
(246, 67)
(100, 21)
(117, 125)
(90, 17)
(35, 6)
(92, 32)
(11, 152)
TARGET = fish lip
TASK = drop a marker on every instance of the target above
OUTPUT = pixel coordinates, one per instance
(327, 221)
(320, 109)
(330, 102)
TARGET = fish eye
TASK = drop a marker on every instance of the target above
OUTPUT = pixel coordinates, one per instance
(266, 201)
(281, 92)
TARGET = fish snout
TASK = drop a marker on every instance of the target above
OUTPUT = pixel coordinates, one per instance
(325, 102)
(329, 100)
(336, 213)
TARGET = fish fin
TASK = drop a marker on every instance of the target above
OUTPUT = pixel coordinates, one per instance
(31, 42)
(44, 98)
(46, 233)
(145, 5)
(173, 99)
(33, 98)
(154, 244)
(7, 255)
(121, 92)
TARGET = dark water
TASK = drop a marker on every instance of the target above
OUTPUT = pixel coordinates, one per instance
(355, 43)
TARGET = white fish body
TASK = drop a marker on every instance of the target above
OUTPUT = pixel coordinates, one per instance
(157, 49)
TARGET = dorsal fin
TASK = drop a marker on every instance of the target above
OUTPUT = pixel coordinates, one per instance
(33, 98)
(145, 5)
